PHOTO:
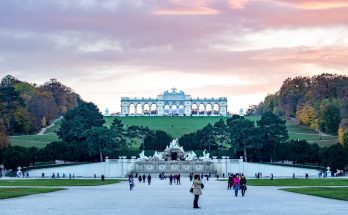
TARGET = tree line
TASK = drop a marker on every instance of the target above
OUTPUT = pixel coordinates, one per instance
(26, 107)
(264, 141)
(319, 102)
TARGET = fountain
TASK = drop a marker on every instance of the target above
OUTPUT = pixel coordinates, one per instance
(174, 160)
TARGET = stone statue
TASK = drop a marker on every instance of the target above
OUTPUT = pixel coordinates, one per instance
(174, 144)
(191, 156)
(205, 156)
(157, 156)
(142, 156)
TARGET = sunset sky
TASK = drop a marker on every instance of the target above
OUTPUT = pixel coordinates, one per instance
(105, 49)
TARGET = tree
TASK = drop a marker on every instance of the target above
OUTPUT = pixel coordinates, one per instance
(330, 116)
(292, 93)
(10, 102)
(273, 132)
(334, 156)
(64, 97)
(14, 157)
(138, 132)
(3, 136)
(156, 140)
(307, 115)
(78, 121)
(221, 134)
(243, 134)
(99, 140)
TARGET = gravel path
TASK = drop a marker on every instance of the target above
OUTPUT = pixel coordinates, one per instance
(161, 198)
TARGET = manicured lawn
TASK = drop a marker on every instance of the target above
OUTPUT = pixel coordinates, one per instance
(326, 192)
(39, 141)
(176, 126)
(298, 182)
(57, 182)
(6, 193)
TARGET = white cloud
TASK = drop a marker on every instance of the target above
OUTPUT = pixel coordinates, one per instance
(281, 38)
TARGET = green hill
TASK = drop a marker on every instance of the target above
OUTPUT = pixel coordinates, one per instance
(176, 126)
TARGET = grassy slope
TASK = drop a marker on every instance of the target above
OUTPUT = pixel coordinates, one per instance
(340, 193)
(58, 182)
(297, 131)
(298, 182)
(6, 193)
(176, 126)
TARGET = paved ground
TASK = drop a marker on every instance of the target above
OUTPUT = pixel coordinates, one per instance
(161, 198)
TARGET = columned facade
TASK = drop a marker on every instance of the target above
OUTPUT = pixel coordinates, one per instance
(174, 103)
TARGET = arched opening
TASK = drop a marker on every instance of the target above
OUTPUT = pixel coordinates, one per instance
(174, 110)
(216, 109)
(153, 109)
(194, 109)
(131, 109)
(139, 111)
(146, 109)
(181, 110)
(209, 109)
(201, 109)
(166, 110)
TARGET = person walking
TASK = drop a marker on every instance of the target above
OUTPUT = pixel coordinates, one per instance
(139, 178)
(149, 179)
(170, 179)
(191, 176)
(178, 180)
(230, 182)
(236, 185)
(144, 178)
(243, 186)
(131, 182)
(197, 190)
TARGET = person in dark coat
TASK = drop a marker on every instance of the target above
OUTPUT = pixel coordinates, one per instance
(170, 179)
(243, 186)
(139, 178)
(144, 178)
(149, 179)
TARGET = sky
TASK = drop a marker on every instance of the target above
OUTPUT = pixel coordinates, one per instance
(107, 49)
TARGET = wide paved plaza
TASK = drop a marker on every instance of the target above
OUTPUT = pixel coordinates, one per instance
(161, 198)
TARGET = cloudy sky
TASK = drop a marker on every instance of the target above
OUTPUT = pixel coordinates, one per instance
(105, 49)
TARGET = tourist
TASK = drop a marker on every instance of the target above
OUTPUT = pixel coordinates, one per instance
(197, 190)
(191, 176)
(229, 182)
(144, 178)
(131, 182)
(271, 176)
(217, 177)
(139, 178)
(178, 180)
(170, 179)
(223, 175)
(53, 176)
(42, 175)
(149, 179)
(243, 186)
(236, 184)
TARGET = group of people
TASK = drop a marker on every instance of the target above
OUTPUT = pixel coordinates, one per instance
(237, 182)
(141, 178)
